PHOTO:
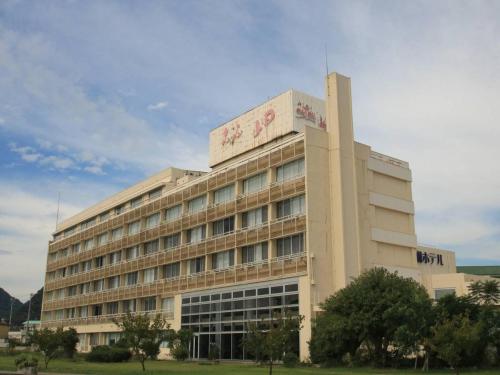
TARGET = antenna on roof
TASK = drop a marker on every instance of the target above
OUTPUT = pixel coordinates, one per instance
(58, 202)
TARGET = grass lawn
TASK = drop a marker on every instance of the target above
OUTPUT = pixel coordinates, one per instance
(80, 366)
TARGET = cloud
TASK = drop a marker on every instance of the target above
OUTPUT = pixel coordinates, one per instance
(158, 106)
(5, 252)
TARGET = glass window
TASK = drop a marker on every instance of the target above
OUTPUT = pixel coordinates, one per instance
(129, 306)
(85, 288)
(196, 234)
(167, 304)
(99, 262)
(290, 245)
(135, 202)
(88, 244)
(103, 239)
(197, 204)
(173, 213)
(290, 170)
(196, 265)
(132, 277)
(115, 257)
(223, 226)
(254, 253)
(83, 311)
(153, 220)
(254, 218)
(150, 275)
(171, 270)
(119, 210)
(172, 241)
(151, 247)
(149, 304)
(132, 252)
(75, 248)
(292, 206)
(255, 183)
(116, 234)
(98, 285)
(104, 216)
(113, 282)
(223, 195)
(222, 260)
(134, 228)
(112, 308)
(153, 194)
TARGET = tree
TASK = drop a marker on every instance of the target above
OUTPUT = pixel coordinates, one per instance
(143, 335)
(486, 292)
(69, 339)
(270, 340)
(178, 343)
(47, 341)
(456, 340)
(376, 311)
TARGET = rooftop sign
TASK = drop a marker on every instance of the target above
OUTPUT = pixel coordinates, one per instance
(286, 113)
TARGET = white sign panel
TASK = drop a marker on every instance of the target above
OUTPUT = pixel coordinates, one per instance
(286, 113)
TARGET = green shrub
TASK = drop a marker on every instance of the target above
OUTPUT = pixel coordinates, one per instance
(180, 352)
(290, 359)
(106, 353)
(26, 360)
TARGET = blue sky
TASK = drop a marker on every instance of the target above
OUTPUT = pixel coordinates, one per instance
(95, 96)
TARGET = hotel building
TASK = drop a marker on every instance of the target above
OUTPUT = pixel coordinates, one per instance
(292, 210)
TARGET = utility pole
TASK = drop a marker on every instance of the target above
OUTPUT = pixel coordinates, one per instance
(10, 316)
(29, 314)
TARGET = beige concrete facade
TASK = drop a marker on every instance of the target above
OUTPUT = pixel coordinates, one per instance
(291, 212)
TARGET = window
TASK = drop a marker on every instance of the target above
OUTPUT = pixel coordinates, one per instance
(440, 293)
(149, 304)
(132, 252)
(254, 218)
(59, 294)
(254, 253)
(87, 224)
(98, 285)
(131, 278)
(99, 262)
(134, 228)
(113, 337)
(94, 339)
(136, 202)
(97, 310)
(173, 213)
(59, 314)
(69, 232)
(116, 234)
(115, 257)
(222, 260)
(73, 269)
(290, 245)
(75, 248)
(255, 183)
(85, 288)
(292, 206)
(196, 265)
(88, 244)
(196, 234)
(87, 265)
(172, 241)
(153, 194)
(112, 308)
(129, 306)
(151, 247)
(171, 270)
(223, 226)
(83, 311)
(114, 282)
(119, 210)
(197, 204)
(223, 195)
(72, 291)
(150, 275)
(167, 304)
(103, 216)
(103, 239)
(290, 170)
(153, 220)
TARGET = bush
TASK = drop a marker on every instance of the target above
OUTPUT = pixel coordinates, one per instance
(180, 352)
(213, 352)
(25, 361)
(290, 359)
(106, 353)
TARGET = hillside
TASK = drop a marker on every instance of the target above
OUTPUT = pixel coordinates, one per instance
(5, 298)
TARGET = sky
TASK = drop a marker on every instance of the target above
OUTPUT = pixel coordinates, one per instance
(97, 95)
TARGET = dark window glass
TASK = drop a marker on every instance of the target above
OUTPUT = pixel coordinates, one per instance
(291, 288)
(263, 291)
(250, 292)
